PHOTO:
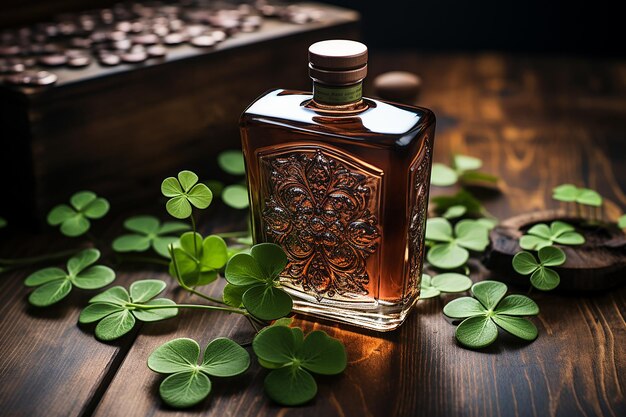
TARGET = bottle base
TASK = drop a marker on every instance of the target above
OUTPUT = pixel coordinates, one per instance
(375, 315)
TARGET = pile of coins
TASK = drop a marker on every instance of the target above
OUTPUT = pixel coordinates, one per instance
(131, 33)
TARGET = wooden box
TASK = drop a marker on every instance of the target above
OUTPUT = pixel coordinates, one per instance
(119, 131)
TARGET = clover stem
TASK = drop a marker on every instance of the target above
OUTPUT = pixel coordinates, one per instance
(196, 306)
(202, 295)
(193, 227)
(170, 248)
(41, 258)
(256, 329)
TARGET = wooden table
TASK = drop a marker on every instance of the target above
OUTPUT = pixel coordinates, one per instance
(536, 122)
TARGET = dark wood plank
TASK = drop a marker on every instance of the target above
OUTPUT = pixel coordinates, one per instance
(536, 123)
(48, 364)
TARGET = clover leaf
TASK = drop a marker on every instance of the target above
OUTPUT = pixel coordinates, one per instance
(488, 310)
(540, 235)
(74, 218)
(3, 222)
(149, 233)
(571, 193)
(541, 277)
(253, 280)
(54, 284)
(232, 162)
(116, 309)
(451, 249)
(442, 175)
(448, 282)
(185, 192)
(621, 222)
(236, 196)
(463, 169)
(197, 263)
(291, 357)
(188, 382)
(454, 212)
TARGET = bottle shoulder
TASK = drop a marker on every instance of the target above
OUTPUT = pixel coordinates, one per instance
(379, 119)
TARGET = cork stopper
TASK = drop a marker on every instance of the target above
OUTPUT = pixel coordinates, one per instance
(338, 62)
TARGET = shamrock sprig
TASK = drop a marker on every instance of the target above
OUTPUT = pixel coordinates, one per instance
(197, 263)
(541, 235)
(291, 357)
(74, 218)
(188, 382)
(541, 276)
(254, 282)
(184, 192)
(571, 194)
(451, 247)
(464, 168)
(488, 310)
(54, 284)
(116, 309)
(149, 232)
(449, 282)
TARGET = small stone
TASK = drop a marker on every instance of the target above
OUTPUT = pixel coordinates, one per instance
(399, 86)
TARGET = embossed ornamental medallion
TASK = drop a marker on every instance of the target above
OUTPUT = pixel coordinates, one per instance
(318, 209)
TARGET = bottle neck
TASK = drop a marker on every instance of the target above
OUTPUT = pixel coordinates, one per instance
(335, 95)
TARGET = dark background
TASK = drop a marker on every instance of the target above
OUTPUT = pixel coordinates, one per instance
(572, 28)
(580, 28)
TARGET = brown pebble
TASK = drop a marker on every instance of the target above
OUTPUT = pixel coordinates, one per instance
(397, 86)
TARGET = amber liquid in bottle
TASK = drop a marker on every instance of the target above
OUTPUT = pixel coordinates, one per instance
(344, 190)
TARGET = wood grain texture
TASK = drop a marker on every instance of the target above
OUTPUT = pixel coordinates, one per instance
(536, 123)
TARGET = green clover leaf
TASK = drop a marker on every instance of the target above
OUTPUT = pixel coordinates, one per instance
(454, 212)
(463, 169)
(149, 232)
(116, 309)
(542, 278)
(185, 192)
(448, 282)
(451, 249)
(54, 284)
(232, 162)
(236, 196)
(540, 235)
(488, 310)
(442, 175)
(197, 263)
(621, 222)
(570, 193)
(253, 280)
(464, 163)
(188, 382)
(291, 357)
(3, 222)
(74, 218)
